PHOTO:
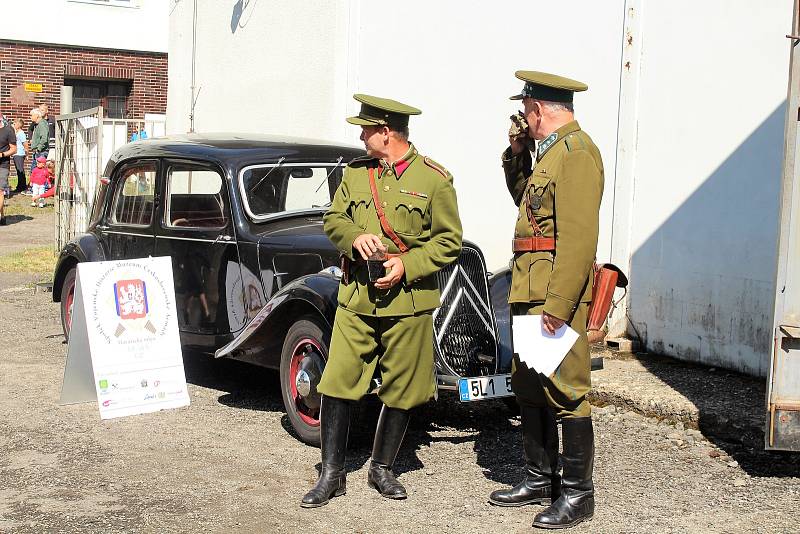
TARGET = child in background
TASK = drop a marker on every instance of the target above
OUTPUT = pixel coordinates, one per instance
(51, 183)
(39, 180)
(51, 172)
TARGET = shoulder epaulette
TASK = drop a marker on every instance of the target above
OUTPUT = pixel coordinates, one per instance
(435, 166)
(572, 137)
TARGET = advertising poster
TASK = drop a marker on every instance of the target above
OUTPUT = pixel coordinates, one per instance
(128, 311)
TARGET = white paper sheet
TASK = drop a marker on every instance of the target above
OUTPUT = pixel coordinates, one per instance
(538, 349)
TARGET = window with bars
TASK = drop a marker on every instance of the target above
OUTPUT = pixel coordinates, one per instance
(112, 95)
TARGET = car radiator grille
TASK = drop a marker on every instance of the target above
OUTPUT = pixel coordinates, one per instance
(464, 329)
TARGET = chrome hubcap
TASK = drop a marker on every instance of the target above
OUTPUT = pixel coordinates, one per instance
(303, 383)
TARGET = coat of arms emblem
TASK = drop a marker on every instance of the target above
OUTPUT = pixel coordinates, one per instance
(130, 297)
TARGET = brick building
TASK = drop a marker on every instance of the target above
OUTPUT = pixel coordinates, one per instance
(111, 52)
(126, 83)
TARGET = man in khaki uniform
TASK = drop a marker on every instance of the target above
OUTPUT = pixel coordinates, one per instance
(555, 241)
(401, 203)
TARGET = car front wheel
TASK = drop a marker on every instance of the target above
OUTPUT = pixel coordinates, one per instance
(305, 351)
(68, 301)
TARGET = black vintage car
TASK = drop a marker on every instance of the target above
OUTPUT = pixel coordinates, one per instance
(255, 276)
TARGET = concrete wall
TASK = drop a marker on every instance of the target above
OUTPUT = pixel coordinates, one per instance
(134, 25)
(703, 210)
(270, 66)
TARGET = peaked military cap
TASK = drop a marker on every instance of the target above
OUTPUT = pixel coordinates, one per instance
(376, 111)
(550, 87)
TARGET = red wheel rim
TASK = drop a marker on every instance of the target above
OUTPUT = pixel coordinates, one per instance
(68, 305)
(309, 416)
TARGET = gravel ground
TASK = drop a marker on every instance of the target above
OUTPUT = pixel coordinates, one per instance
(229, 462)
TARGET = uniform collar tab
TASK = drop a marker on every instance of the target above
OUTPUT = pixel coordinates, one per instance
(546, 143)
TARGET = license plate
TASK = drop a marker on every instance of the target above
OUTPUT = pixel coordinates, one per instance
(484, 387)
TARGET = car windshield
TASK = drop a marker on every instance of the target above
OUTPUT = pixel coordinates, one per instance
(286, 187)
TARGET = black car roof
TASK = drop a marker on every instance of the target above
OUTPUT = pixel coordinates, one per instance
(238, 148)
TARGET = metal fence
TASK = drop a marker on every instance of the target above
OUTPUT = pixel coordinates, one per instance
(78, 148)
(85, 142)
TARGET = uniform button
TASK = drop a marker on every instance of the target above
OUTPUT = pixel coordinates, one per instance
(386, 188)
(383, 203)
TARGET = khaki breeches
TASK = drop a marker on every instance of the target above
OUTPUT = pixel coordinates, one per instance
(400, 348)
(566, 389)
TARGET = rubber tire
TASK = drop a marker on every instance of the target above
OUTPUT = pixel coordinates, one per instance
(314, 328)
(69, 283)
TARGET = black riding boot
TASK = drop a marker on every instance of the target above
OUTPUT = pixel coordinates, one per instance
(389, 433)
(576, 502)
(334, 422)
(540, 444)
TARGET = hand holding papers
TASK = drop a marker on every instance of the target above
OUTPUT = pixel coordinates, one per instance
(536, 348)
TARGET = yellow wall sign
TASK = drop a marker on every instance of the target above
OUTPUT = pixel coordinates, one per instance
(33, 87)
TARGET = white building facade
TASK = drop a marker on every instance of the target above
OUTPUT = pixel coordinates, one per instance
(114, 24)
(686, 102)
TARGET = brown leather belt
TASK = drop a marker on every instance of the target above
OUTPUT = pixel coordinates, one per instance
(534, 244)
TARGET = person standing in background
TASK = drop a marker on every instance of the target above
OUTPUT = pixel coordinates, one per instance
(51, 130)
(19, 157)
(40, 178)
(8, 147)
(40, 138)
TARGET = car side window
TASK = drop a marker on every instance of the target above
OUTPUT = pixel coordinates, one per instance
(133, 199)
(194, 198)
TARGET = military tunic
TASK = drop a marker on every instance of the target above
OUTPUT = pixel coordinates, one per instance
(391, 330)
(563, 191)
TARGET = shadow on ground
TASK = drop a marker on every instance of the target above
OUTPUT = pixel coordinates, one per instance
(489, 424)
(14, 219)
(731, 410)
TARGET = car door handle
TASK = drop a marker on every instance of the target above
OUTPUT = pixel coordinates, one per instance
(223, 237)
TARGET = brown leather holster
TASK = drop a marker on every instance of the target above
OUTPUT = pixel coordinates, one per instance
(607, 277)
(345, 264)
